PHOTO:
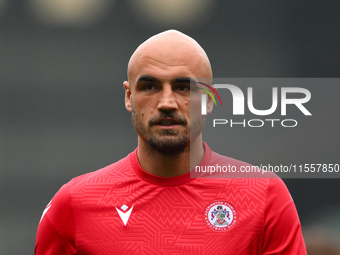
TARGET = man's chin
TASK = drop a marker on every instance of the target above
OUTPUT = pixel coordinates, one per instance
(166, 134)
(169, 145)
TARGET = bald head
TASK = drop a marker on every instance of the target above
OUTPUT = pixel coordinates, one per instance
(170, 49)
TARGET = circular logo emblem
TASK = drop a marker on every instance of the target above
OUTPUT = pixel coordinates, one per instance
(220, 216)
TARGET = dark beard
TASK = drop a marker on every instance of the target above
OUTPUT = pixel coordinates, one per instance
(166, 142)
(168, 145)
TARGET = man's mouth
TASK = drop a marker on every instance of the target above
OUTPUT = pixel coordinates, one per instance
(168, 122)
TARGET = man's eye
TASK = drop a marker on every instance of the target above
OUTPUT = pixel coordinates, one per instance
(149, 87)
(183, 87)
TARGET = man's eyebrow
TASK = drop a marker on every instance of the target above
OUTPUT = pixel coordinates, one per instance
(183, 80)
(149, 78)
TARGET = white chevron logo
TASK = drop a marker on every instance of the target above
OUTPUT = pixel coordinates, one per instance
(124, 215)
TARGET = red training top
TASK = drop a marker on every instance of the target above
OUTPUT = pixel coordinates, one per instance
(121, 209)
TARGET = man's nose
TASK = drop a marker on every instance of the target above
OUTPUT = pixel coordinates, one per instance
(167, 99)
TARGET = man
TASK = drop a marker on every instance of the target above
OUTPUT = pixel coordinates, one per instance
(147, 203)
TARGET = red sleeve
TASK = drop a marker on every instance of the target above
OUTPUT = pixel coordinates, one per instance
(282, 228)
(56, 233)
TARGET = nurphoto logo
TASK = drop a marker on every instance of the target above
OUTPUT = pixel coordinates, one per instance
(238, 105)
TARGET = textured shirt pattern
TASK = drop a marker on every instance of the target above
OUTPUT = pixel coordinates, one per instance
(168, 215)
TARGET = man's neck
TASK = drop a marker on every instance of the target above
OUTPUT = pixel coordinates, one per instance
(162, 165)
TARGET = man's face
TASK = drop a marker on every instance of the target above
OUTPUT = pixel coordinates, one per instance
(161, 96)
(160, 93)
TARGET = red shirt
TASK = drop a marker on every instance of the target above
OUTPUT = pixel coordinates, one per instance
(121, 209)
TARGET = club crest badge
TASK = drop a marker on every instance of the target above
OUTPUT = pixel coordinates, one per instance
(220, 216)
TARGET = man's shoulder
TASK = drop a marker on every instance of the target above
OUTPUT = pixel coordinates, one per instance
(220, 168)
(114, 172)
(240, 178)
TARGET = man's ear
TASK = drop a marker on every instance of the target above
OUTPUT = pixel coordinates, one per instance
(127, 96)
(210, 104)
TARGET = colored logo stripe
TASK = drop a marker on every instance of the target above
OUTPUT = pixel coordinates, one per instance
(214, 91)
(209, 94)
